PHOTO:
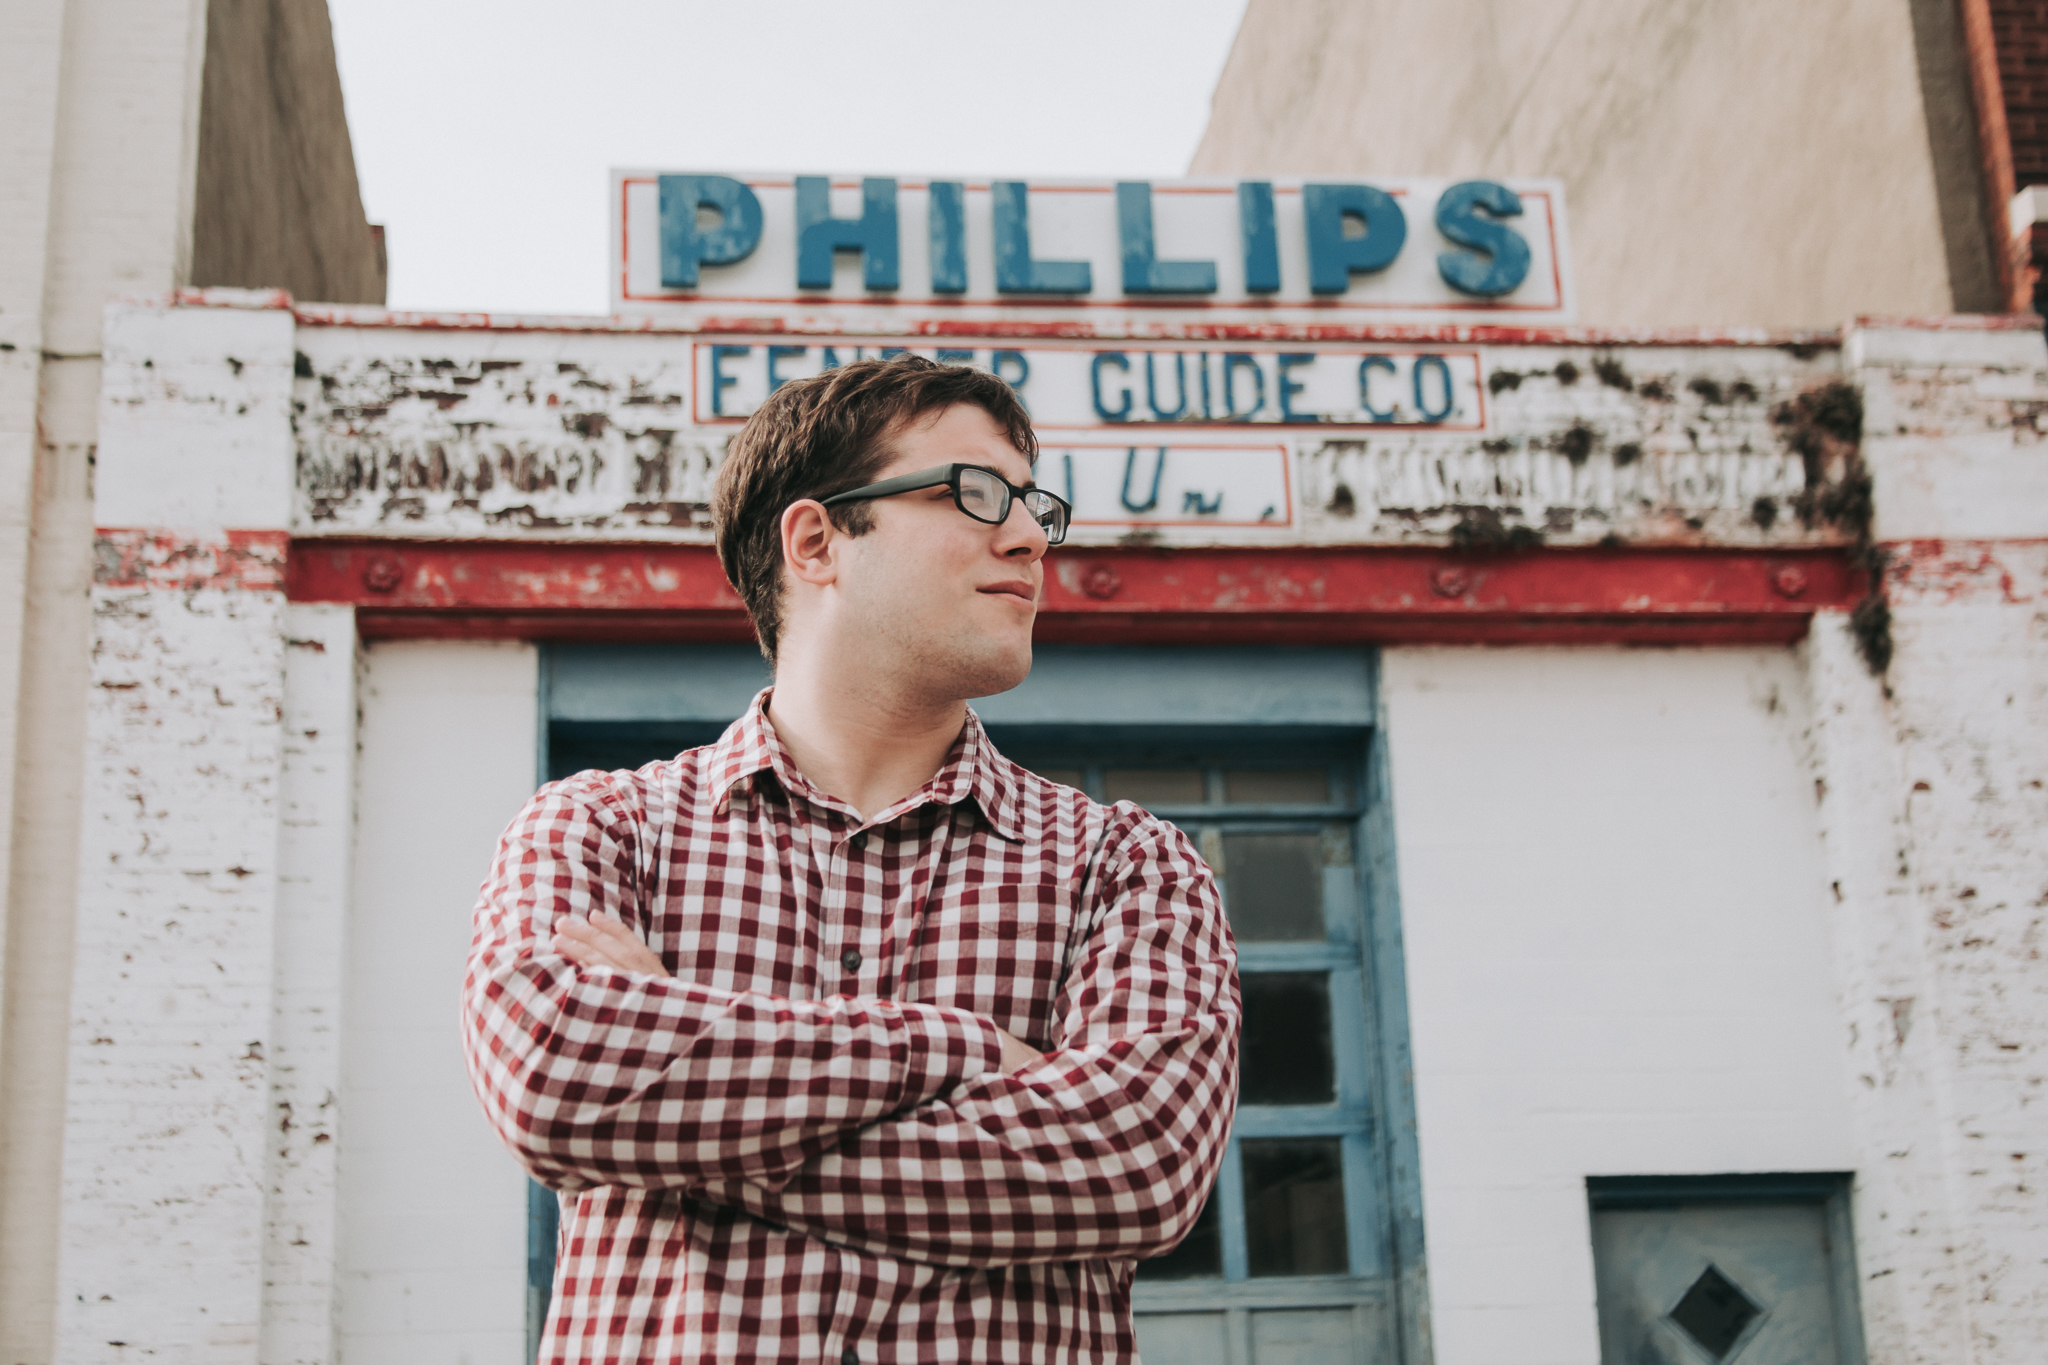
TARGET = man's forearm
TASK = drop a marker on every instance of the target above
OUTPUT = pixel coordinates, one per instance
(605, 1078)
(1089, 1154)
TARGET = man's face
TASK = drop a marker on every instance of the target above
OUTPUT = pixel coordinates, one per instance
(939, 600)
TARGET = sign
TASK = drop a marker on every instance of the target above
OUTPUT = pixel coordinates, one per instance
(886, 255)
(1075, 385)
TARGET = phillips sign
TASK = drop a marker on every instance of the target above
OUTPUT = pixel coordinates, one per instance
(1087, 258)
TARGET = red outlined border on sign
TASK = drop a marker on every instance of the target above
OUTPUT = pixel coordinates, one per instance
(698, 417)
(626, 294)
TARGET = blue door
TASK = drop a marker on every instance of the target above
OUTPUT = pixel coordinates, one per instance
(1310, 1247)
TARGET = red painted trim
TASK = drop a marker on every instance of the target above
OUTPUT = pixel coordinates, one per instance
(1953, 322)
(1469, 334)
(1355, 594)
(1473, 334)
(179, 561)
(2007, 572)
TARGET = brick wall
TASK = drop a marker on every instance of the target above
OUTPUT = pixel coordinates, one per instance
(2021, 29)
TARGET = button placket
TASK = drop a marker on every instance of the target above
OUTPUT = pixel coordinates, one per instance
(835, 906)
(853, 865)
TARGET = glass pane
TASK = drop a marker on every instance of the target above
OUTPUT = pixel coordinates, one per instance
(1273, 885)
(1294, 1206)
(1151, 787)
(1066, 777)
(1277, 786)
(1287, 1057)
(1199, 1254)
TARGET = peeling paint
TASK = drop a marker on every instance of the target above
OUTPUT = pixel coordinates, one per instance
(588, 437)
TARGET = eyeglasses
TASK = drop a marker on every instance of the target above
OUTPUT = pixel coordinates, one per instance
(978, 491)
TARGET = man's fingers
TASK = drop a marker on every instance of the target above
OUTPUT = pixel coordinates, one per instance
(1017, 1053)
(605, 941)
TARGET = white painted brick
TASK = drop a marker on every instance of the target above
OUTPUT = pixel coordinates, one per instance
(195, 418)
(169, 1104)
(1955, 432)
(317, 836)
(1996, 347)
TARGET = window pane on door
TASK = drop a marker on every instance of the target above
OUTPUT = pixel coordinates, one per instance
(1286, 1053)
(1273, 886)
(1152, 787)
(1294, 1206)
(1277, 786)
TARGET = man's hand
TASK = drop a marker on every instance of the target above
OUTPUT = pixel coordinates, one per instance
(605, 941)
(1017, 1054)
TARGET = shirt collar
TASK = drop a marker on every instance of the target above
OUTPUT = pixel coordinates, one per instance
(973, 771)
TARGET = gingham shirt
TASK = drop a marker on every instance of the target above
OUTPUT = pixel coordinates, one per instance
(802, 1146)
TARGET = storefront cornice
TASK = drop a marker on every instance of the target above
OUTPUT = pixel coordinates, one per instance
(1354, 594)
(825, 324)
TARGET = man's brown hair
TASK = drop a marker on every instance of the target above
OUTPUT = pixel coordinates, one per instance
(824, 435)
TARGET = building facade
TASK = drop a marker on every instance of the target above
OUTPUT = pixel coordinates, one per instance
(1622, 742)
(1681, 885)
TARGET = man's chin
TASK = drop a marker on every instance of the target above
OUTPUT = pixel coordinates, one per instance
(993, 668)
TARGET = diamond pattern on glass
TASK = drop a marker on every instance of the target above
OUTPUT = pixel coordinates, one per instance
(1714, 1313)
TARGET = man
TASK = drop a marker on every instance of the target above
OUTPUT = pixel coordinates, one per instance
(852, 1040)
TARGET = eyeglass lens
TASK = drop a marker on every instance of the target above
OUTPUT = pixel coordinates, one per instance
(985, 497)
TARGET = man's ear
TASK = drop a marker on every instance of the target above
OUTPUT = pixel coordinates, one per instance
(810, 543)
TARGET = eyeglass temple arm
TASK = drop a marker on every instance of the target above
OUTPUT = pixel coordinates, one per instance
(902, 483)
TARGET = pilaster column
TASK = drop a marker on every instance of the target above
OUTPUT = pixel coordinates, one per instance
(212, 871)
(1933, 784)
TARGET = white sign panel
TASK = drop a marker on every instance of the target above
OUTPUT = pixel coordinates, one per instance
(1071, 385)
(895, 255)
(1221, 487)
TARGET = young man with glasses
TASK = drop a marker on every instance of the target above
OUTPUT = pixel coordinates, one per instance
(845, 1038)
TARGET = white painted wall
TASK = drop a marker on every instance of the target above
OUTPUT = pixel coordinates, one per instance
(98, 123)
(1937, 793)
(1617, 958)
(433, 1210)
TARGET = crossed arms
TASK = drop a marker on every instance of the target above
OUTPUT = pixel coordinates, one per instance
(887, 1127)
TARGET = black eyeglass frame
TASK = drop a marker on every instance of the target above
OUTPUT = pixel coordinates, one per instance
(949, 475)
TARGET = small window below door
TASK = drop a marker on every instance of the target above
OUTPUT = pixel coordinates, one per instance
(1725, 1270)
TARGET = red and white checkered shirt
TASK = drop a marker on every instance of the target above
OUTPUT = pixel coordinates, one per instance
(802, 1146)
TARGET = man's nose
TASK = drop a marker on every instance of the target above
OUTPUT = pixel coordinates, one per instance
(1020, 532)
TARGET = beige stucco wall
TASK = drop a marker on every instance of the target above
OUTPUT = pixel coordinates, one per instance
(1726, 163)
(276, 201)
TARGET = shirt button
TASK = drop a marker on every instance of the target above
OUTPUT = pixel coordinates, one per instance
(859, 841)
(850, 960)
(849, 1357)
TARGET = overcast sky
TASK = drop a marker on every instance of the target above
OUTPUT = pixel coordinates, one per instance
(484, 131)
